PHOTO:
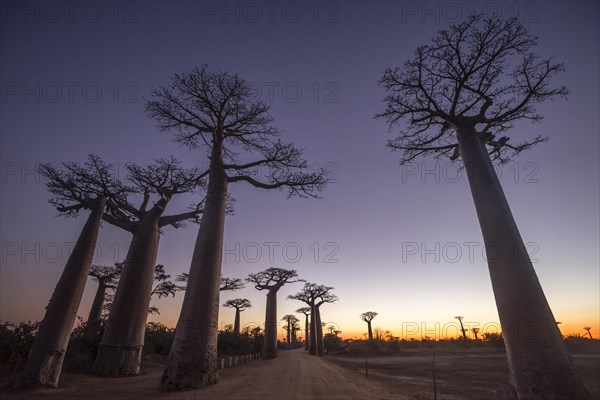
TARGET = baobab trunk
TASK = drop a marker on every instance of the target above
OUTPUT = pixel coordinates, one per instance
(306, 339)
(120, 351)
(319, 329)
(45, 359)
(236, 324)
(370, 330)
(540, 366)
(96, 310)
(192, 361)
(293, 338)
(312, 350)
(289, 335)
(270, 344)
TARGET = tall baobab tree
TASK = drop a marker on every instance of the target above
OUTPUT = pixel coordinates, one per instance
(588, 329)
(462, 328)
(306, 312)
(454, 97)
(239, 305)
(315, 296)
(368, 317)
(107, 277)
(291, 322)
(475, 332)
(74, 187)
(121, 347)
(217, 111)
(272, 279)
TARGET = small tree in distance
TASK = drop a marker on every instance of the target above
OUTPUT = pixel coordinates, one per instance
(239, 305)
(368, 317)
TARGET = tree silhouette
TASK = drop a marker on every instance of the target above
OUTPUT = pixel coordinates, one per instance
(120, 350)
(475, 332)
(272, 279)
(306, 312)
(216, 110)
(315, 296)
(239, 305)
(368, 317)
(462, 328)
(588, 328)
(74, 187)
(107, 277)
(290, 327)
(455, 96)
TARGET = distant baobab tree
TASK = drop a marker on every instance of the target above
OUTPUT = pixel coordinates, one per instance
(475, 332)
(315, 296)
(306, 312)
(271, 280)
(588, 329)
(239, 305)
(290, 327)
(368, 317)
(107, 277)
(74, 187)
(216, 111)
(462, 327)
(120, 350)
(163, 287)
(471, 83)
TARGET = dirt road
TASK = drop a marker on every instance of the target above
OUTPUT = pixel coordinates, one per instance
(293, 375)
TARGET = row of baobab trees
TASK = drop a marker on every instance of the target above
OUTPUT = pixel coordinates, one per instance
(453, 98)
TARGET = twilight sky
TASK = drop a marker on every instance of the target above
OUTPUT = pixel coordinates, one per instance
(401, 241)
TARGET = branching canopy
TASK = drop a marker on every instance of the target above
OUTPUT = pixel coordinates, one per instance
(209, 108)
(480, 73)
(226, 283)
(314, 294)
(368, 316)
(273, 278)
(238, 304)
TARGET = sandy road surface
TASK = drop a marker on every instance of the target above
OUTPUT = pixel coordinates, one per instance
(293, 375)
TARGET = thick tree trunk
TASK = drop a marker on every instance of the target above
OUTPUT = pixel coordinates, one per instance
(293, 338)
(312, 350)
(270, 346)
(306, 333)
(540, 366)
(45, 359)
(319, 326)
(462, 329)
(236, 324)
(96, 310)
(289, 335)
(192, 361)
(370, 330)
(120, 352)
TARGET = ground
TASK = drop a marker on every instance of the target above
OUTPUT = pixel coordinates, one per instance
(296, 375)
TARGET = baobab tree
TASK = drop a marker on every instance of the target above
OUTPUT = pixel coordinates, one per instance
(272, 279)
(588, 329)
(462, 328)
(306, 312)
(315, 296)
(290, 327)
(163, 287)
(455, 97)
(74, 187)
(475, 332)
(368, 317)
(107, 277)
(239, 305)
(217, 111)
(120, 350)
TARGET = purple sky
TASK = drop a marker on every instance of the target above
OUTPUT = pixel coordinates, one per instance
(402, 241)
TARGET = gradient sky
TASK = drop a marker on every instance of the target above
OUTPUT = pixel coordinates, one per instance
(399, 241)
